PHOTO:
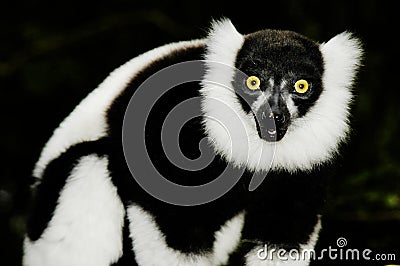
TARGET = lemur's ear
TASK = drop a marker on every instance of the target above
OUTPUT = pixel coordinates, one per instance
(223, 42)
(342, 56)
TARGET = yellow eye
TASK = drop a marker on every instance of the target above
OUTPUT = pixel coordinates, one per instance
(253, 83)
(301, 86)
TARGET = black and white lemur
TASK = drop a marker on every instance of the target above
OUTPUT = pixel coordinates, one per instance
(293, 105)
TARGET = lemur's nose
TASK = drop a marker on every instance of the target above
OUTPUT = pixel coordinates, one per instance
(278, 117)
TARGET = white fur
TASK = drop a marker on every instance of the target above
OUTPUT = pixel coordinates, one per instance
(310, 140)
(88, 120)
(261, 100)
(227, 239)
(151, 249)
(291, 107)
(252, 258)
(86, 228)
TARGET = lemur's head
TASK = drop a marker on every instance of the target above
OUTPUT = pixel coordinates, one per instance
(290, 94)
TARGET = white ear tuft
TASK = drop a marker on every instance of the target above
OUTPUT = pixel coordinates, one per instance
(342, 56)
(223, 42)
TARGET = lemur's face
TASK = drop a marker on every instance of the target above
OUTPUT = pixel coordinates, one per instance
(283, 80)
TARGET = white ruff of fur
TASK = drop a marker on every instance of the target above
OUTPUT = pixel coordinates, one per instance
(310, 140)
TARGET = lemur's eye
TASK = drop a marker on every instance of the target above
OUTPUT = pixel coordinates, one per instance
(301, 86)
(253, 83)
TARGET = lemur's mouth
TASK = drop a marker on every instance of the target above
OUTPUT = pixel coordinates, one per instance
(269, 129)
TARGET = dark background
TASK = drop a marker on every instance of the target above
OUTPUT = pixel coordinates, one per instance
(53, 53)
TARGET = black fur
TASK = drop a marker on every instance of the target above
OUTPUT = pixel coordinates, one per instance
(128, 257)
(189, 229)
